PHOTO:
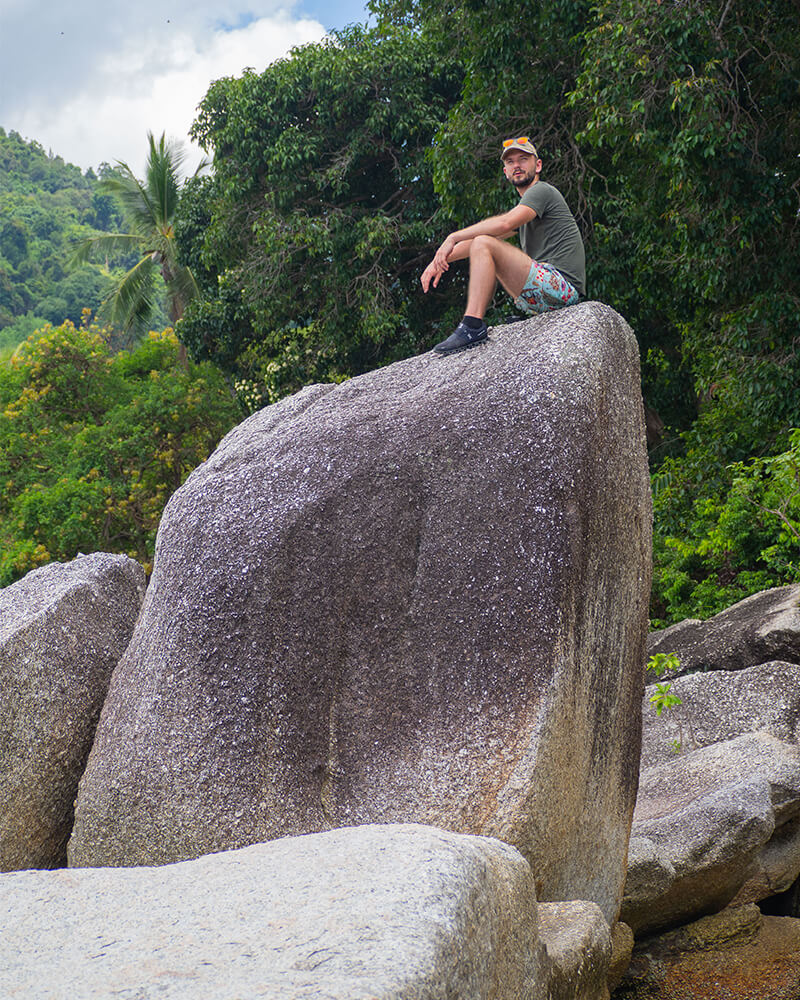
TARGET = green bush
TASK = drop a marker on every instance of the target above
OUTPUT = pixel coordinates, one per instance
(742, 538)
(93, 444)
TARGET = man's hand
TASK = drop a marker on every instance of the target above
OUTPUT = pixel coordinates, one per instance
(439, 264)
(432, 273)
(442, 256)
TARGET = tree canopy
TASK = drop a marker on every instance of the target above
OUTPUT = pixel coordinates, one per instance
(309, 240)
(45, 205)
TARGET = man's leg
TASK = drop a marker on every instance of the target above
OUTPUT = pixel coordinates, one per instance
(492, 260)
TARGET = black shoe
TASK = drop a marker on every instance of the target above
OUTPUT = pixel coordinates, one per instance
(461, 338)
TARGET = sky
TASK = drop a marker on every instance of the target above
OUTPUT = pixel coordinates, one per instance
(88, 79)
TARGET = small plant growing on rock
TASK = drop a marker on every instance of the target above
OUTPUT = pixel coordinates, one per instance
(663, 696)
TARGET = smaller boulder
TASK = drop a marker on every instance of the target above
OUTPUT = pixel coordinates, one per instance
(720, 705)
(708, 824)
(578, 945)
(63, 628)
(764, 626)
(621, 951)
(715, 708)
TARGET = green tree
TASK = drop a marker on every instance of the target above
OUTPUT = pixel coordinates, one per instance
(673, 129)
(92, 444)
(149, 210)
(309, 241)
(690, 117)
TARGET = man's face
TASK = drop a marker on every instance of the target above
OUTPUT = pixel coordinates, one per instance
(521, 167)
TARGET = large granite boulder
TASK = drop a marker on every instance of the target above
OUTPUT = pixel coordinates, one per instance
(420, 595)
(63, 628)
(762, 627)
(396, 912)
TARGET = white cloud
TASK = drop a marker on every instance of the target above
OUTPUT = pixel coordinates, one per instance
(96, 99)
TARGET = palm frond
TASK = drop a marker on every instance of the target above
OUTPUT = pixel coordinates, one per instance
(139, 213)
(181, 289)
(163, 189)
(149, 209)
(105, 243)
(132, 301)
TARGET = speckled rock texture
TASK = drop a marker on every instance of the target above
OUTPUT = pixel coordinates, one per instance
(63, 628)
(621, 951)
(577, 941)
(421, 596)
(762, 627)
(716, 824)
(734, 955)
(720, 705)
(716, 708)
(370, 913)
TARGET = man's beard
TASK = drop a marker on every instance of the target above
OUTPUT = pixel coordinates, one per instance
(523, 181)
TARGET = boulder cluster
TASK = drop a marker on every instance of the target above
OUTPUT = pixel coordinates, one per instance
(374, 727)
(716, 829)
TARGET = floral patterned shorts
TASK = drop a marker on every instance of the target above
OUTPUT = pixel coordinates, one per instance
(545, 289)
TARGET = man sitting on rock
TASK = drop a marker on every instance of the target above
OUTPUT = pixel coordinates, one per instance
(549, 272)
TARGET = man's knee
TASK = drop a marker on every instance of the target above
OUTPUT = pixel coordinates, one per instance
(483, 244)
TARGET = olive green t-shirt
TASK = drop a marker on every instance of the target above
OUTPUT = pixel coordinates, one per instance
(553, 237)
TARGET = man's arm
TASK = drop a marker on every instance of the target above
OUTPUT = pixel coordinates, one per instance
(456, 245)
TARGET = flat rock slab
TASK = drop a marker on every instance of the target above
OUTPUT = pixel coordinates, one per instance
(420, 595)
(733, 955)
(63, 628)
(762, 627)
(712, 825)
(369, 913)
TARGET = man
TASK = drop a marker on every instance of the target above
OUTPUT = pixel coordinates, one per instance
(549, 272)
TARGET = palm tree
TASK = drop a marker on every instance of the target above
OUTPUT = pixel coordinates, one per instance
(149, 210)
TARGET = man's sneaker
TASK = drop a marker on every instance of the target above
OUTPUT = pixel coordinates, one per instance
(461, 338)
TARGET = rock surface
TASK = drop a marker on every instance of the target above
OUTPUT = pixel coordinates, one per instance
(762, 627)
(403, 912)
(577, 943)
(747, 809)
(621, 950)
(720, 705)
(417, 596)
(63, 628)
(719, 821)
(734, 955)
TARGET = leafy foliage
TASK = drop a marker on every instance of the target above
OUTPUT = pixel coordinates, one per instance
(741, 538)
(309, 241)
(673, 129)
(93, 444)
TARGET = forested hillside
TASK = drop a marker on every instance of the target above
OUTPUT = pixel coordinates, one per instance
(93, 443)
(46, 207)
(673, 130)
